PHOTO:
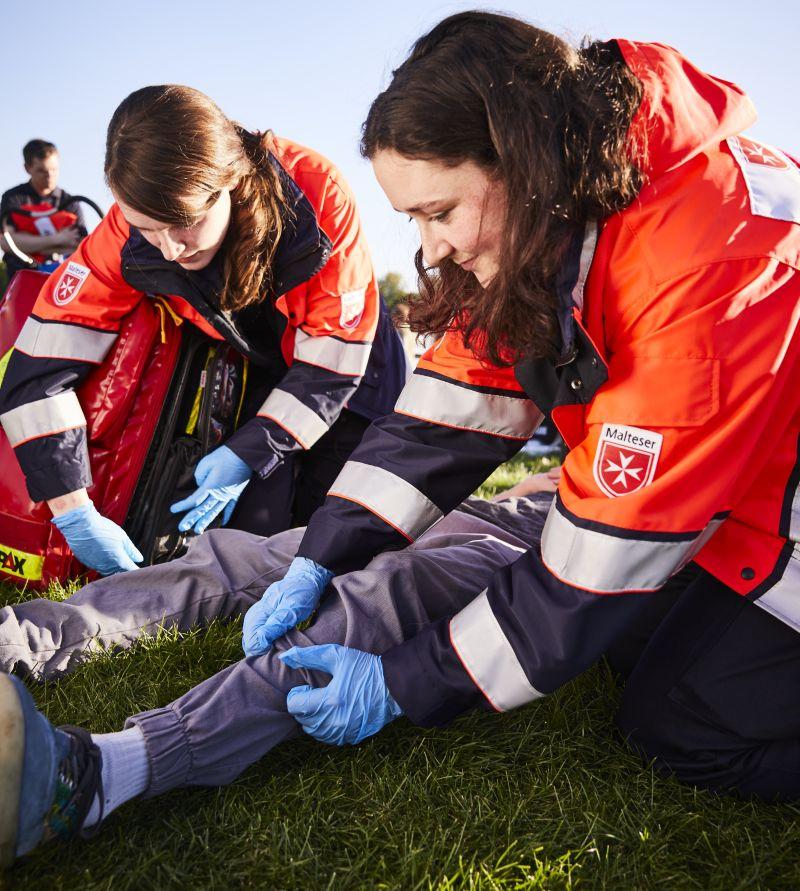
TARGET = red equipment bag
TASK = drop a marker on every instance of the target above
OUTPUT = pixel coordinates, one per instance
(163, 397)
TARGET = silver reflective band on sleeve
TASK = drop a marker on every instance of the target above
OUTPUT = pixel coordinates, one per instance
(599, 561)
(336, 355)
(305, 425)
(45, 416)
(488, 656)
(438, 401)
(393, 499)
(58, 340)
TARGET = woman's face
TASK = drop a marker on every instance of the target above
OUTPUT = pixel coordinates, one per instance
(460, 210)
(194, 246)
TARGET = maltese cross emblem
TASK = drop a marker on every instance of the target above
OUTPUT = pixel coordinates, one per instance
(626, 459)
(756, 153)
(70, 282)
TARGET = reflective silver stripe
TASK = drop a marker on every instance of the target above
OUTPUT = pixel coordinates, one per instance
(587, 255)
(393, 499)
(783, 598)
(45, 416)
(488, 656)
(432, 399)
(305, 425)
(58, 340)
(331, 353)
(598, 561)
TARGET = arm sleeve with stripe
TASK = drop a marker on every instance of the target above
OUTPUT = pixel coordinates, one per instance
(67, 334)
(455, 422)
(332, 344)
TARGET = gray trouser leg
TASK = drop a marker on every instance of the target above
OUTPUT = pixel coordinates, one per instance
(222, 574)
(213, 732)
(217, 729)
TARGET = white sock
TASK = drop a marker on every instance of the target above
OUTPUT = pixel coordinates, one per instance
(126, 770)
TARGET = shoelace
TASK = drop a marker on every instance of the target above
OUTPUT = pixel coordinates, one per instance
(79, 779)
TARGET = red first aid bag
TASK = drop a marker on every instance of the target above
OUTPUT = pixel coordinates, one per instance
(164, 396)
(122, 400)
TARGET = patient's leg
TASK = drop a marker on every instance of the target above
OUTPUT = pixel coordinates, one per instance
(213, 732)
(222, 574)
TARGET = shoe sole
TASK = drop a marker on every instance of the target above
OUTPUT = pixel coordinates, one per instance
(12, 752)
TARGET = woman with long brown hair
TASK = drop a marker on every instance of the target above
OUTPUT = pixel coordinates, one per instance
(600, 243)
(255, 240)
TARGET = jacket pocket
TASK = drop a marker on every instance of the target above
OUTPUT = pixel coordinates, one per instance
(658, 392)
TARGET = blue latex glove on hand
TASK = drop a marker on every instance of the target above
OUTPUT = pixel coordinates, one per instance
(356, 703)
(221, 477)
(97, 541)
(283, 605)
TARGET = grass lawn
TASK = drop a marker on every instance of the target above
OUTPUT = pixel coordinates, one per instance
(543, 797)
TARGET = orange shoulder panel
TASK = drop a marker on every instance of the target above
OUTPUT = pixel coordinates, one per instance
(88, 287)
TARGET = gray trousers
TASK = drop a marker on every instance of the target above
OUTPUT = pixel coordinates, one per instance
(214, 731)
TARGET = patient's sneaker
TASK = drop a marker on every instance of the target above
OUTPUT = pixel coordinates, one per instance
(49, 777)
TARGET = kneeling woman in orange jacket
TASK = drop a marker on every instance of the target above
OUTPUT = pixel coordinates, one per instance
(601, 243)
(257, 241)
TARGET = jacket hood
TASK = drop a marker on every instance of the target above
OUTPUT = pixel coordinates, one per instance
(684, 111)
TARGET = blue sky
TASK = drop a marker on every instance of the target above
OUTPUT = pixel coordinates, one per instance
(310, 70)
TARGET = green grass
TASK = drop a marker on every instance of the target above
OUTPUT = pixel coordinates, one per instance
(543, 797)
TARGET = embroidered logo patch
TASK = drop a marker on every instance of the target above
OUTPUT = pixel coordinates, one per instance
(755, 153)
(352, 308)
(772, 180)
(626, 459)
(70, 283)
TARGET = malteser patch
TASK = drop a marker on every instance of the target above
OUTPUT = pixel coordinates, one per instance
(70, 283)
(352, 308)
(626, 459)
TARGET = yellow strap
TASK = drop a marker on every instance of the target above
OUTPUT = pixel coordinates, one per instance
(194, 414)
(4, 364)
(163, 307)
(244, 387)
(20, 563)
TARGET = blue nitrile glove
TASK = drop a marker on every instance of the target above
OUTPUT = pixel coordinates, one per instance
(221, 477)
(356, 703)
(283, 605)
(97, 541)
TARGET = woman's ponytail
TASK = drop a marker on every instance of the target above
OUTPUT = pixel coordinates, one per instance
(257, 210)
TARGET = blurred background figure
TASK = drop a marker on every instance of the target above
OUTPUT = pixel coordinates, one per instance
(39, 236)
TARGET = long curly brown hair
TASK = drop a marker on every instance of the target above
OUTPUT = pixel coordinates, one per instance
(546, 119)
(170, 151)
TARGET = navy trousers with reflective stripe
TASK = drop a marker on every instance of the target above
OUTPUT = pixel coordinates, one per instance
(289, 495)
(714, 695)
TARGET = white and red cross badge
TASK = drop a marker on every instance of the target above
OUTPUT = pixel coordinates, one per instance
(756, 153)
(626, 459)
(70, 282)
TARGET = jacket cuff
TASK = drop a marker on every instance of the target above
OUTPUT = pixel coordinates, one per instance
(262, 445)
(55, 465)
(427, 680)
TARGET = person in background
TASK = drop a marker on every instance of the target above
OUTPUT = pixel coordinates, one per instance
(40, 192)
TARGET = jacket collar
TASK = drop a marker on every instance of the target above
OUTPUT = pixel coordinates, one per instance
(579, 371)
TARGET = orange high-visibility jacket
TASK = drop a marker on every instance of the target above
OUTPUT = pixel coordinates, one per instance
(677, 393)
